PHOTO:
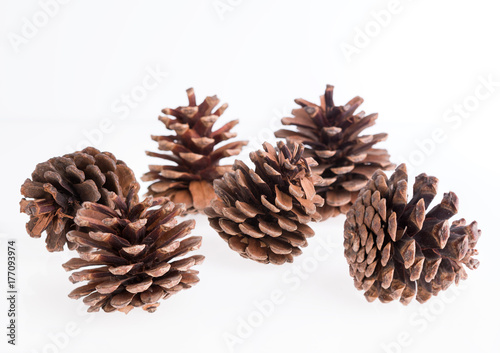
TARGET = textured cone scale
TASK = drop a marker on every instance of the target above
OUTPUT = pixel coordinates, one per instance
(133, 254)
(262, 214)
(194, 160)
(396, 249)
(58, 188)
(346, 160)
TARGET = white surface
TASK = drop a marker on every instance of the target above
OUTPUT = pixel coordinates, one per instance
(258, 57)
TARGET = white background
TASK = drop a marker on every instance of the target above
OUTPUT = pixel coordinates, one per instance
(428, 58)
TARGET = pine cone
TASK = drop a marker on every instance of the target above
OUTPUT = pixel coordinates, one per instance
(346, 161)
(59, 186)
(189, 178)
(263, 213)
(394, 249)
(134, 256)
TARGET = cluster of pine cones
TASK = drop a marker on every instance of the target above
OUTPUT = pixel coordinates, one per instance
(135, 253)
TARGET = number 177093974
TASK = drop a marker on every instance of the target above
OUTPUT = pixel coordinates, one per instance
(11, 264)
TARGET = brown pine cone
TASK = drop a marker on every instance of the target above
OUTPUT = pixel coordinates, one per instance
(263, 213)
(58, 188)
(135, 253)
(346, 161)
(195, 163)
(396, 250)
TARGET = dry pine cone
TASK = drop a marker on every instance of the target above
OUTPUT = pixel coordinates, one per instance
(396, 250)
(263, 213)
(135, 254)
(195, 162)
(346, 161)
(58, 188)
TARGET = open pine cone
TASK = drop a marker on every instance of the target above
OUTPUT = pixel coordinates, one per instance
(195, 162)
(263, 213)
(346, 161)
(58, 188)
(396, 250)
(134, 251)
